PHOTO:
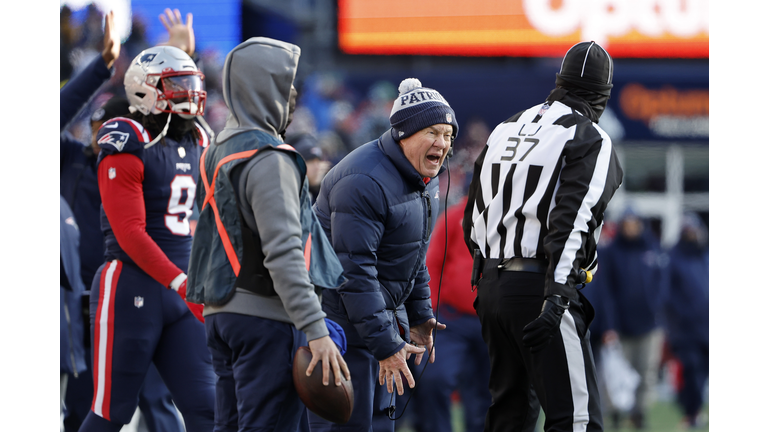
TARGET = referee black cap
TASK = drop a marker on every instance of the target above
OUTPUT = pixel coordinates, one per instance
(588, 66)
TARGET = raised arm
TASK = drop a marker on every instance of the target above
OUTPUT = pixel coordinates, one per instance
(76, 93)
(180, 34)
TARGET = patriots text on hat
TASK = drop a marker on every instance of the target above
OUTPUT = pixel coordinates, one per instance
(418, 97)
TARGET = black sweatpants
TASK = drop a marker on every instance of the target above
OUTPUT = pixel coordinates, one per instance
(560, 379)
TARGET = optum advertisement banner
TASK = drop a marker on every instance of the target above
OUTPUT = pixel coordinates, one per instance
(525, 28)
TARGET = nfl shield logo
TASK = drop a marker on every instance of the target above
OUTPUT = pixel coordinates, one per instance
(112, 173)
(448, 117)
(138, 301)
(182, 152)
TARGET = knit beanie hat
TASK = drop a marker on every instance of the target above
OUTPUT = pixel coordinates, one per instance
(587, 66)
(419, 107)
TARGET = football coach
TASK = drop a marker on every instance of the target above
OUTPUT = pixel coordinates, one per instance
(378, 207)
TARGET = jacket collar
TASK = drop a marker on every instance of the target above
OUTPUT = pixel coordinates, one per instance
(573, 101)
(394, 152)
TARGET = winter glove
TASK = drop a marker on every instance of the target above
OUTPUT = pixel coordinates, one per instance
(179, 284)
(537, 333)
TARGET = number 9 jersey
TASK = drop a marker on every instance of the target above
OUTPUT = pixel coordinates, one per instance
(147, 196)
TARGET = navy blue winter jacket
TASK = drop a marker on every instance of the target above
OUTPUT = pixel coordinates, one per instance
(379, 213)
(632, 275)
(687, 309)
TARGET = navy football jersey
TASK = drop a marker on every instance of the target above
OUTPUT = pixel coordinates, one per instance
(169, 181)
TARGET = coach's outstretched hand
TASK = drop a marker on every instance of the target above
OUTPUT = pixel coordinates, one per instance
(537, 333)
(421, 335)
(391, 367)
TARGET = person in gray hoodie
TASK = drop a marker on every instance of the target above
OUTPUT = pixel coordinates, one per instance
(260, 259)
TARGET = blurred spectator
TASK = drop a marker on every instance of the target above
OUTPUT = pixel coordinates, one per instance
(346, 124)
(373, 112)
(210, 63)
(303, 121)
(319, 92)
(595, 292)
(461, 164)
(71, 288)
(137, 40)
(464, 364)
(333, 146)
(634, 288)
(89, 34)
(67, 40)
(687, 315)
(317, 166)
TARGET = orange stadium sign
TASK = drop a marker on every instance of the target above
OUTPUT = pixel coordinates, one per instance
(524, 28)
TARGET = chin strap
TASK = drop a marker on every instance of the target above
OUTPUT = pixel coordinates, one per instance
(162, 134)
(205, 126)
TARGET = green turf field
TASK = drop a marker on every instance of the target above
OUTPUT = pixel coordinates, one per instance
(664, 416)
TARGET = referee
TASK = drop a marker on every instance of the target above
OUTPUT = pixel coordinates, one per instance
(532, 220)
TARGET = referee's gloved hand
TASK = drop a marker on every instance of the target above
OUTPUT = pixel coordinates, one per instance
(537, 333)
(179, 284)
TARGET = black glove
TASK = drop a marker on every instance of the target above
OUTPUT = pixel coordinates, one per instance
(537, 333)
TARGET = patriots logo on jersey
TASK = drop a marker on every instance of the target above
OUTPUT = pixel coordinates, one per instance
(115, 138)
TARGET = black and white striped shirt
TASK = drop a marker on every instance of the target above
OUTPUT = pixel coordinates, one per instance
(540, 189)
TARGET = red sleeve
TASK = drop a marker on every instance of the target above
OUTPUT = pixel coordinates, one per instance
(455, 290)
(123, 199)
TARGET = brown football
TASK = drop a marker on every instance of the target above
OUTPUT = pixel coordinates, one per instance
(333, 403)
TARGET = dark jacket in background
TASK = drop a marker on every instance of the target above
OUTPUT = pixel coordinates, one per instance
(72, 347)
(633, 284)
(687, 308)
(78, 184)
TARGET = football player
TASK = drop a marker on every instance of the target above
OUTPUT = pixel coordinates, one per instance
(147, 172)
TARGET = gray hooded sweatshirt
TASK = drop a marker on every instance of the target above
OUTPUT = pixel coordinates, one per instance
(257, 79)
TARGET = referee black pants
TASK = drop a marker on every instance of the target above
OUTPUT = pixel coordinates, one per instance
(560, 379)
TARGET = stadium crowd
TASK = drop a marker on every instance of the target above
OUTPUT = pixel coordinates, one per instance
(331, 120)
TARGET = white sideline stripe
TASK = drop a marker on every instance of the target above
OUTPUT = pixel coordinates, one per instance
(102, 354)
(576, 372)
